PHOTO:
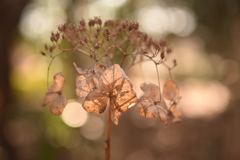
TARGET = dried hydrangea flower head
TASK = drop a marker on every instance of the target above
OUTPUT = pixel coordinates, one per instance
(113, 46)
(114, 41)
(118, 44)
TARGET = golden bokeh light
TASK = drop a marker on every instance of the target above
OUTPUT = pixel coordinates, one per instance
(203, 99)
(74, 115)
(164, 20)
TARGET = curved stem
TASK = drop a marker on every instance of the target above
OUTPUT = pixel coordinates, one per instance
(108, 134)
(48, 70)
(158, 83)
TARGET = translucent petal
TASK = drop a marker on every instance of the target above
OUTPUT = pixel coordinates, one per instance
(170, 90)
(96, 102)
(54, 96)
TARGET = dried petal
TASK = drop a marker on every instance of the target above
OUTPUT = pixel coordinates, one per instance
(112, 86)
(151, 109)
(58, 105)
(115, 114)
(57, 83)
(54, 96)
(119, 88)
(177, 116)
(49, 97)
(87, 81)
(170, 90)
(125, 96)
(80, 70)
(96, 102)
(151, 90)
(152, 104)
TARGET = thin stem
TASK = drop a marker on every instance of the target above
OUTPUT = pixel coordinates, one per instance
(48, 71)
(158, 82)
(108, 134)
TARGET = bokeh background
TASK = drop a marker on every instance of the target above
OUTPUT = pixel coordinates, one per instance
(205, 37)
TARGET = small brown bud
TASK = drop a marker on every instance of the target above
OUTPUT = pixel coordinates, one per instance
(85, 39)
(169, 50)
(91, 23)
(46, 47)
(97, 45)
(162, 55)
(109, 23)
(60, 28)
(52, 48)
(43, 53)
(133, 26)
(175, 62)
(106, 33)
(83, 23)
(125, 24)
(98, 21)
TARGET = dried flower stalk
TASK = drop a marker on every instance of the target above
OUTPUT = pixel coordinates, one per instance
(114, 46)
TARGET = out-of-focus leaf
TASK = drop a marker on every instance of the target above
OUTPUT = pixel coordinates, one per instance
(54, 97)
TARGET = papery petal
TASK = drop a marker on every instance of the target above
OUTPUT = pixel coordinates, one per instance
(49, 97)
(88, 81)
(96, 102)
(151, 90)
(177, 116)
(170, 90)
(125, 96)
(150, 109)
(58, 83)
(57, 106)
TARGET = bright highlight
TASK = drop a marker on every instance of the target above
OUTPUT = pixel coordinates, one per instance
(74, 115)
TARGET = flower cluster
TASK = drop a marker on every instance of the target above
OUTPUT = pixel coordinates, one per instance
(118, 44)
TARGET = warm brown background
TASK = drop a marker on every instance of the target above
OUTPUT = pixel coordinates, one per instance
(28, 132)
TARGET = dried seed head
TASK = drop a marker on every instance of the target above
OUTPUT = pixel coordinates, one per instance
(97, 45)
(43, 53)
(91, 22)
(46, 47)
(109, 23)
(85, 39)
(125, 24)
(54, 37)
(83, 23)
(106, 33)
(169, 50)
(133, 26)
(98, 21)
(52, 48)
(62, 28)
